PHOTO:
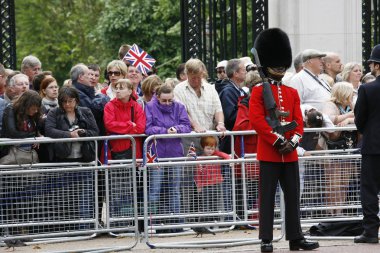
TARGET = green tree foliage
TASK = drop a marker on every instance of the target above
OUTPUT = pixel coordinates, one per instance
(62, 33)
(58, 32)
(154, 25)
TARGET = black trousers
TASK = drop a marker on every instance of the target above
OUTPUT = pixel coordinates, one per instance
(369, 189)
(288, 175)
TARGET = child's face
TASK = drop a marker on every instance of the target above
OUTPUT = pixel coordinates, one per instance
(209, 150)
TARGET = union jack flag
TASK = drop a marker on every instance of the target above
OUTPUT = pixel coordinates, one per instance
(151, 155)
(140, 59)
(192, 152)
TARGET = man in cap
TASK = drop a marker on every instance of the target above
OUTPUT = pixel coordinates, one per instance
(220, 74)
(367, 120)
(276, 149)
(312, 90)
(221, 70)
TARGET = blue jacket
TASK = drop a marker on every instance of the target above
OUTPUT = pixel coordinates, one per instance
(86, 94)
(159, 118)
(229, 96)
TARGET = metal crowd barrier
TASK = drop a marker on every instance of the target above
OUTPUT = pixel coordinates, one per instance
(194, 209)
(56, 202)
(330, 192)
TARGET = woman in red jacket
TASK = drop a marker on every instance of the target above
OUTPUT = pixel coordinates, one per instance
(123, 115)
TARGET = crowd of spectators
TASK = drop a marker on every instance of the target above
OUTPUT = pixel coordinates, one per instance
(34, 104)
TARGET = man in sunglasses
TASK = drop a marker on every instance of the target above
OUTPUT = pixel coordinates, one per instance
(221, 70)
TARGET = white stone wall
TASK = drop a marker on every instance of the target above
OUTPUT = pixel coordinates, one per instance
(326, 25)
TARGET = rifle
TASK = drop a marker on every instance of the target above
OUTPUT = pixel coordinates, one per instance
(270, 105)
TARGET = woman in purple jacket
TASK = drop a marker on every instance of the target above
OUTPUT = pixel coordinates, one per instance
(165, 116)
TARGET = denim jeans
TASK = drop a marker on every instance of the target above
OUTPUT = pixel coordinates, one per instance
(168, 179)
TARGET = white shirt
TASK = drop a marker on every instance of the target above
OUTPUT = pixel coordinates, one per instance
(201, 109)
(310, 90)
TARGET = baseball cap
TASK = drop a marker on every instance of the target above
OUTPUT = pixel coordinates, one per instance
(247, 61)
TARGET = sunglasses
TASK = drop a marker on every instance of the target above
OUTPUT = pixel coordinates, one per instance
(115, 73)
(220, 71)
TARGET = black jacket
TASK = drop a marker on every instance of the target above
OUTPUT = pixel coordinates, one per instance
(367, 116)
(9, 128)
(57, 125)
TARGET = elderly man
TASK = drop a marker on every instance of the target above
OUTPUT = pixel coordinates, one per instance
(16, 84)
(312, 90)
(332, 65)
(230, 93)
(31, 66)
(81, 80)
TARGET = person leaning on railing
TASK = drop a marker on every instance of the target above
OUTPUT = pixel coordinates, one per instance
(70, 121)
(20, 120)
(166, 116)
(338, 174)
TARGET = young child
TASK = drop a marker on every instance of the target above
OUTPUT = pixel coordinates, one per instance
(208, 178)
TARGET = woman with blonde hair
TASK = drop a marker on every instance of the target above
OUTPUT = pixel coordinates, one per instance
(116, 70)
(338, 173)
(149, 87)
(352, 73)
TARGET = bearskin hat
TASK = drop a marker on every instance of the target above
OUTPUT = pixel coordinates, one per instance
(273, 48)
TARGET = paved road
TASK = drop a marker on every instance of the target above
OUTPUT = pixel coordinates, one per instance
(346, 246)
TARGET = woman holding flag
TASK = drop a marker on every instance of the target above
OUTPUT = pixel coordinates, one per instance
(165, 116)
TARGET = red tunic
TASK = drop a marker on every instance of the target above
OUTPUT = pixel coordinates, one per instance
(266, 138)
(242, 123)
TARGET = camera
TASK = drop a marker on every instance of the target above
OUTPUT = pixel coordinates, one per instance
(73, 128)
(82, 133)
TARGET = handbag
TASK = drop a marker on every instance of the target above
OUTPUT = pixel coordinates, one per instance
(88, 151)
(62, 149)
(347, 140)
(19, 156)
